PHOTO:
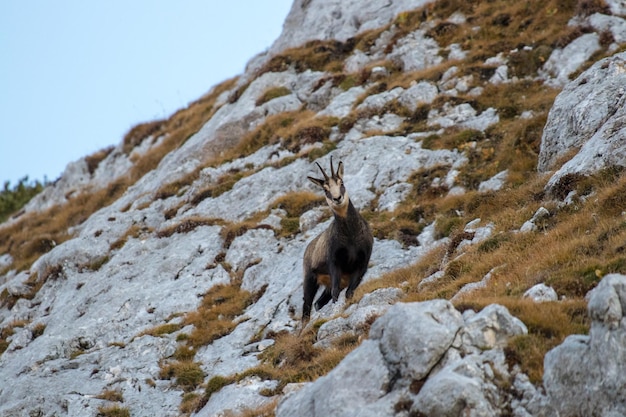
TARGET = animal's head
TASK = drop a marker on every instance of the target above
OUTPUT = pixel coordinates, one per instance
(336, 194)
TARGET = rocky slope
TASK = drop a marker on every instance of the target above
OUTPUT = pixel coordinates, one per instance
(182, 293)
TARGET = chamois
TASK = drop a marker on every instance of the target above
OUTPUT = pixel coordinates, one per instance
(338, 257)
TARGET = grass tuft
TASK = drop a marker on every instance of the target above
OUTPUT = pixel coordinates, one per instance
(111, 395)
(295, 204)
(272, 93)
(187, 375)
(293, 358)
(215, 316)
(113, 411)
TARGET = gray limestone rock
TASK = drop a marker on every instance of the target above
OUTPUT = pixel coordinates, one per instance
(415, 52)
(341, 105)
(540, 293)
(378, 101)
(494, 183)
(586, 375)
(358, 316)
(491, 328)
(393, 196)
(563, 62)
(238, 398)
(337, 394)
(405, 325)
(462, 115)
(463, 388)
(423, 358)
(588, 115)
(541, 214)
(421, 92)
(336, 19)
(123, 271)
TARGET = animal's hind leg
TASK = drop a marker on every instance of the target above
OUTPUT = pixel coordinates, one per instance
(310, 289)
(323, 299)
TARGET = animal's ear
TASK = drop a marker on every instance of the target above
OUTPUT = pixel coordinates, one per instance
(316, 181)
(340, 171)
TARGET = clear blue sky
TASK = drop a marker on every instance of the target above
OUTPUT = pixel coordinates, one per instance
(75, 76)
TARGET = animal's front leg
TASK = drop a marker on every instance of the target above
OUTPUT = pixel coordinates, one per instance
(335, 281)
(310, 288)
(355, 280)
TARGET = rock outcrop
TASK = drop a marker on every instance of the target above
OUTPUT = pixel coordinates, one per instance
(589, 115)
(105, 309)
(421, 358)
(586, 375)
(334, 19)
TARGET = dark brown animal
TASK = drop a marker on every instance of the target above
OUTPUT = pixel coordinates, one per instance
(339, 256)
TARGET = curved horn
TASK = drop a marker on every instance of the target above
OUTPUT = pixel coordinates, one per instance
(332, 169)
(323, 172)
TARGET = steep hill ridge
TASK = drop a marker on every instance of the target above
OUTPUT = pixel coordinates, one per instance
(162, 276)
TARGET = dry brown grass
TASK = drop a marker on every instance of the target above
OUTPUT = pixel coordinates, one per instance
(161, 329)
(548, 323)
(34, 234)
(113, 411)
(298, 202)
(293, 130)
(267, 410)
(271, 94)
(293, 358)
(191, 402)
(133, 231)
(572, 250)
(8, 331)
(295, 204)
(111, 395)
(233, 230)
(93, 160)
(215, 316)
(221, 185)
(187, 375)
(315, 55)
(504, 25)
(187, 225)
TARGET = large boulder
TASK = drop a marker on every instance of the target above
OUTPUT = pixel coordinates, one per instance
(586, 375)
(421, 358)
(588, 118)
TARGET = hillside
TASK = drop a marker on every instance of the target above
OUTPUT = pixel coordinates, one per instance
(482, 141)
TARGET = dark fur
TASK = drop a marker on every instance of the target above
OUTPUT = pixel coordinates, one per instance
(339, 256)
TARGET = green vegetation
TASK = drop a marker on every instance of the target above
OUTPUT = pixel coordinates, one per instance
(14, 198)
